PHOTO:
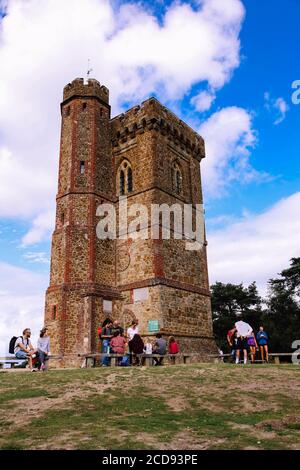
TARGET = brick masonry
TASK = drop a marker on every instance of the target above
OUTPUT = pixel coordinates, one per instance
(85, 271)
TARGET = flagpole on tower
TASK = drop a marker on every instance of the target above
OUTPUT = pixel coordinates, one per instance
(89, 69)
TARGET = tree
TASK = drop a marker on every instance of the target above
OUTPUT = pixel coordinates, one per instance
(282, 318)
(230, 302)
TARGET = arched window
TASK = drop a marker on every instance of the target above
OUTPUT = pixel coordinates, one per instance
(125, 178)
(176, 178)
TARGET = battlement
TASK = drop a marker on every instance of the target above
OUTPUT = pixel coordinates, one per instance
(151, 114)
(92, 88)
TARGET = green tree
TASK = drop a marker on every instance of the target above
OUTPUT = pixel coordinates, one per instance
(282, 318)
(231, 302)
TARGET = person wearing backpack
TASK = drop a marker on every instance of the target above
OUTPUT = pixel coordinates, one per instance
(23, 348)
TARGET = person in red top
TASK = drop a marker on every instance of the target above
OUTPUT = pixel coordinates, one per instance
(117, 344)
(173, 348)
(231, 336)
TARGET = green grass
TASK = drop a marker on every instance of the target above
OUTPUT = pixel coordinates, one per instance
(203, 406)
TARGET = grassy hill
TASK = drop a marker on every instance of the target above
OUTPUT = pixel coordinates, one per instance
(203, 406)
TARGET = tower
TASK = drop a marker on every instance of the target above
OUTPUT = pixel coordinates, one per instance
(82, 267)
(162, 283)
(152, 157)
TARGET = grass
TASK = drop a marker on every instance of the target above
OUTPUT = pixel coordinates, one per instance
(203, 406)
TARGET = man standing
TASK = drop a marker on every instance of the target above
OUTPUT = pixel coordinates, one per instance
(24, 349)
(243, 331)
(106, 336)
(117, 327)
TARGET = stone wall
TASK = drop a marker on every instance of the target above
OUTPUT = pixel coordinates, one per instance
(85, 271)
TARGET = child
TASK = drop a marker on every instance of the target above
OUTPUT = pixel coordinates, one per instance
(173, 348)
(148, 347)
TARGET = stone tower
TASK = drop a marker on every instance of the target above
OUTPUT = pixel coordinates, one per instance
(152, 157)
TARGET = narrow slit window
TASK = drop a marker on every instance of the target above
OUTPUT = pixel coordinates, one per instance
(84, 106)
(54, 312)
(129, 180)
(68, 111)
(82, 168)
(122, 183)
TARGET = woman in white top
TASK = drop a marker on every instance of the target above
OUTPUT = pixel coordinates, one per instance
(133, 329)
(43, 347)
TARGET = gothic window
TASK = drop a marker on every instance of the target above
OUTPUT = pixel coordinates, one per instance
(84, 105)
(122, 183)
(125, 178)
(129, 180)
(176, 178)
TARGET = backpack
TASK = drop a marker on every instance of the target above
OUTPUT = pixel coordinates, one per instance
(11, 348)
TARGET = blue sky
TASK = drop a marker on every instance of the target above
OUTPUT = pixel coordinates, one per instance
(243, 55)
(269, 51)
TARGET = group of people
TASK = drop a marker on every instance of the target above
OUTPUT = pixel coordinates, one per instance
(242, 339)
(114, 340)
(36, 357)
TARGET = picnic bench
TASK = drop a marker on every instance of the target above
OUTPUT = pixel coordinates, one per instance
(19, 363)
(278, 356)
(147, 359)
(12, 360)
(275, 356)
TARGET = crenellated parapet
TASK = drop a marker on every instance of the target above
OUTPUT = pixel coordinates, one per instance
(152, 115)
(78, 88)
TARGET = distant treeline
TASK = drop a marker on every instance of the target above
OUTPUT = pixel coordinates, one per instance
(279, 312)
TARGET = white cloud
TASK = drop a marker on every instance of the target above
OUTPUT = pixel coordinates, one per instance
(42, 225)
(46, 43)
(203, 101)
(257, 247)
(22, 298)
(229, 138)
(36, 257)
(278, 106)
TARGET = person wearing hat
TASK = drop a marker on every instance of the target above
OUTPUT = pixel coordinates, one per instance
(43, 347)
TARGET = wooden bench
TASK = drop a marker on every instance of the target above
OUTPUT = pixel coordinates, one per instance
(276, 356)
(20, 363)
(91, 359)
(12, 361)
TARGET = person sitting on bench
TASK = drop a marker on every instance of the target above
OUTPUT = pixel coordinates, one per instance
(117, 344)
(160, 347)
(43, 346)
(24, 349)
